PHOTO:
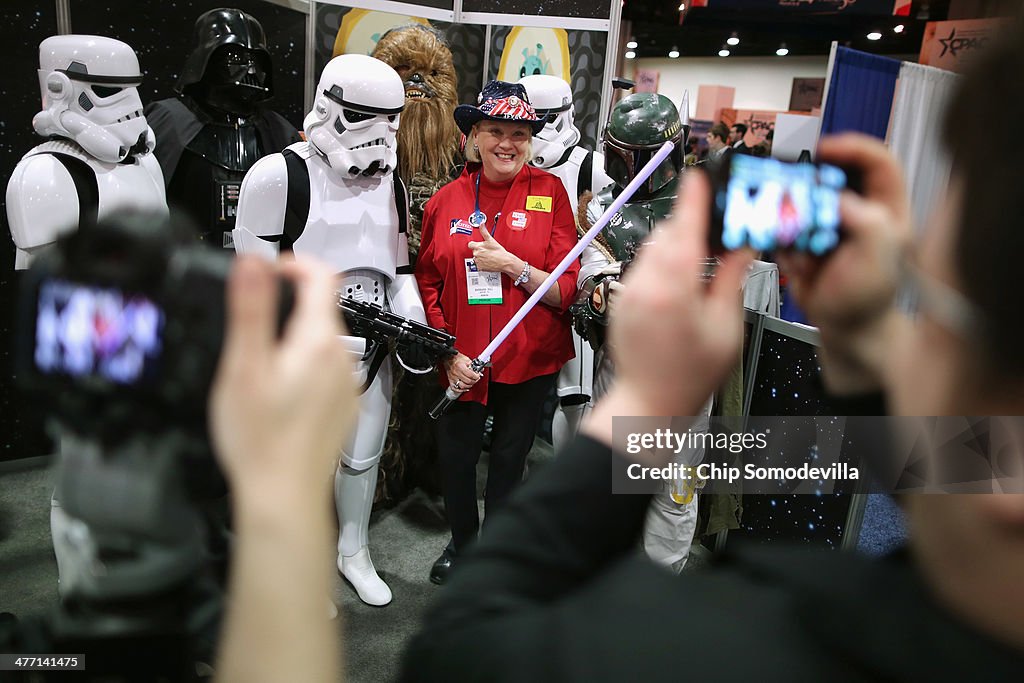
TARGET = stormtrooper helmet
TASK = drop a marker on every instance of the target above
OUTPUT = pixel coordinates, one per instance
(552, 100)
(354, 122)
(88, 84)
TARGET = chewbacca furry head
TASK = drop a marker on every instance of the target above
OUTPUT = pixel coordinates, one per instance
(427, 137)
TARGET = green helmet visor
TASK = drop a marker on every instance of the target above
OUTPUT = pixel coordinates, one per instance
(622, 163)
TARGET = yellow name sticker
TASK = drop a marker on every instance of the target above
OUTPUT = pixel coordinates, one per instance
(537, 203)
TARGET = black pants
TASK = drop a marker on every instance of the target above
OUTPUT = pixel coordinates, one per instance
(517, 411)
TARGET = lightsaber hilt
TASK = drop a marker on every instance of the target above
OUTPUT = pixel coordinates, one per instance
(450, 395)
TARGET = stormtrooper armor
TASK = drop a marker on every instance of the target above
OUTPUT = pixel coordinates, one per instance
(98, 157)
(556, 149)
(218, 127)
(96, 162)
(354, 223)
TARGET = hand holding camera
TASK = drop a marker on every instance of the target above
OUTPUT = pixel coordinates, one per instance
(850, 295)
(681, 335)
(294, 394)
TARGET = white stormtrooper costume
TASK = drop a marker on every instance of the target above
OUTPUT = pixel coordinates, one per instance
(353, 224)
(98, 159)
(556, 149)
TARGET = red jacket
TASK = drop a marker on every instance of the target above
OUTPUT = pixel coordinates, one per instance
(541, 344)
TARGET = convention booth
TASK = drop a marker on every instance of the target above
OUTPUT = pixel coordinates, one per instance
(577, 41)
(571, 39)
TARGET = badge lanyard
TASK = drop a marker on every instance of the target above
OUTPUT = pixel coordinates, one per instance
(478, 217)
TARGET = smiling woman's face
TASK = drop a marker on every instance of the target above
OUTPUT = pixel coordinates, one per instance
(503, 146)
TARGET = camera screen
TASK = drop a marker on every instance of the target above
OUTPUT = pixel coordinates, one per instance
(84, 331)
(769, 204)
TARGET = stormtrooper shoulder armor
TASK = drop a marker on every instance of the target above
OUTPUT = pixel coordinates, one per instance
(264, 194)
(34, 223)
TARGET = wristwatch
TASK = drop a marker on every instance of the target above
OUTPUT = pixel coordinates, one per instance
(523, 276)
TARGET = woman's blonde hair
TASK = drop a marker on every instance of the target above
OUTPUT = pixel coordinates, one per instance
(472, 154)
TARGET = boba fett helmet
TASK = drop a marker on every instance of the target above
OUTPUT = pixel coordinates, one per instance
(639, 125)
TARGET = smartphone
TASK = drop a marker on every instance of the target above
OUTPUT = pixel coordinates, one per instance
(767, 204)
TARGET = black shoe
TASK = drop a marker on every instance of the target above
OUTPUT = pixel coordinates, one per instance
(442, 567)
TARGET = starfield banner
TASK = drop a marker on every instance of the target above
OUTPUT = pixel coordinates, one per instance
(875, 7)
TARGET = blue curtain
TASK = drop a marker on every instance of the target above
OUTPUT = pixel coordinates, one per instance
(859, 99)
(860, 93)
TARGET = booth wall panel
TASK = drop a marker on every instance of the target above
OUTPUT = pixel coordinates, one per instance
(466, 42)
(586, 70)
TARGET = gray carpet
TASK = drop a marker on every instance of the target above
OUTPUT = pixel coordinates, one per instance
(404, 540)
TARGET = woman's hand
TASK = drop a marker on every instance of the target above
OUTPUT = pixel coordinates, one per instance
(491, 256)
(461, 375)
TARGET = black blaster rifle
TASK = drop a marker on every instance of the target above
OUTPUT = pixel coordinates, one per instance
(384, 331)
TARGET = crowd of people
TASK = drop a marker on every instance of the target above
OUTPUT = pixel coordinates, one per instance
(553, 586)
(553, 590)
(723, 140)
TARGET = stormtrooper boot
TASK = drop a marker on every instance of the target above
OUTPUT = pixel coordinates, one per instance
(353, 499)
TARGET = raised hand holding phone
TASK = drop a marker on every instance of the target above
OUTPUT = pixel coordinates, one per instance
(767, 204)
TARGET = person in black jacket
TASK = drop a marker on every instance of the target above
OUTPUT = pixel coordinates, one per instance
(737, 133)
(555, 590)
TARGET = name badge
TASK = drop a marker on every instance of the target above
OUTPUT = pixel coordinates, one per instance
(483, 286)
(538, 203)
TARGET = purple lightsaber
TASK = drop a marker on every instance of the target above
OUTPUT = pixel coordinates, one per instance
(481, 361)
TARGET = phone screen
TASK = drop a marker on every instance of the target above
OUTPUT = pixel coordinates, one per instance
(768, 204)
(83, 331)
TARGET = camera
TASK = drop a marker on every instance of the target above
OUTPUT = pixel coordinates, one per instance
(120, 324)
(119, 331)
(767, 204)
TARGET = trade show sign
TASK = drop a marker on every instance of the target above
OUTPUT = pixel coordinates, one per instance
(951, 45)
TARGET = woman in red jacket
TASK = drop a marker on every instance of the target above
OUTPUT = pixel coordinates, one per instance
(490, 238)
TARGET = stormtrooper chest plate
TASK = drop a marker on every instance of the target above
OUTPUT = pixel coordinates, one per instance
(136, 186)
(352, 223)
(131, 186)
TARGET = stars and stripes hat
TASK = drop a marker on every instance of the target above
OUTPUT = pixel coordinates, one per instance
(499, 101)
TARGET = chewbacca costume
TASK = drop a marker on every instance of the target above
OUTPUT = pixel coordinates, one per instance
(428, 158)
